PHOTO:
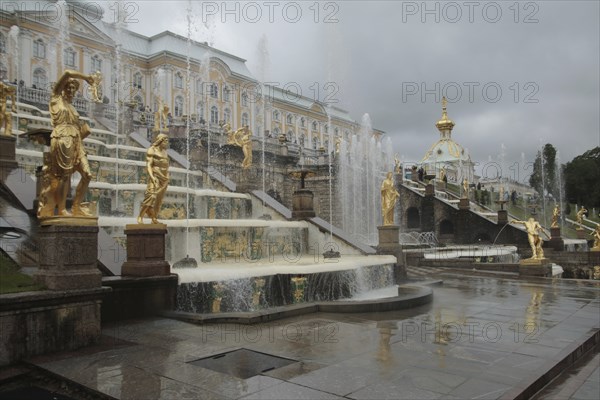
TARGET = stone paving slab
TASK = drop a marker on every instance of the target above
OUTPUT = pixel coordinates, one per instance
(480, 338)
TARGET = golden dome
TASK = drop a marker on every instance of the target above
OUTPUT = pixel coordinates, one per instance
(445, 123)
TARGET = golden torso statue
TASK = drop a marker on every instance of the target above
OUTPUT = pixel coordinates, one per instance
(157, 167)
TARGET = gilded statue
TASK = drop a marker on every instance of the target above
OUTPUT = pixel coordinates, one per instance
(580, 214)
(397, 167)
(555, 215)
(246, 143)
(338, 144)
(465, 185)
(157, 166)
(67, 154)
(241, 137)
(389, 197)
(596, 235)
(231, 135)
(443, 177)
(533, 229)
(6, 92)
(161, 116)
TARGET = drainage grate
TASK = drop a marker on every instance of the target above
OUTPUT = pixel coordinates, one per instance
(242, 363)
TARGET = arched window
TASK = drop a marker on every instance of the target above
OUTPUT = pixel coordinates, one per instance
(199, 86)
(302, 140)
(96, 63)
(226, 93)
(178, 81)
(303, 122)
(137, 80)
(178, 106)
(200, 109)
(244, 99)
(315, 143)
(227, 115)
(245, 119)
(290, 119)
(40, 79)
(39, 49)
(326, 145)
(2, 44)
(336, 131)
(214, 90)
(326, 128)
(69, 57)
(290, 136)
(214, 115)
(315, 126)
(276, 115)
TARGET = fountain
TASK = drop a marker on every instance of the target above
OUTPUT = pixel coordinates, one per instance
(362, 168)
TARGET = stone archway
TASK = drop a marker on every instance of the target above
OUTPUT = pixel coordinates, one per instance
(413, 218)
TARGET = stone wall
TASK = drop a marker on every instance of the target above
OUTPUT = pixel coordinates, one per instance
(138, 297)
(34, 323)
(450, 224)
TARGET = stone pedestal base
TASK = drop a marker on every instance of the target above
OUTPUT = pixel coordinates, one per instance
(7, 156)
(302, 204)
(502, 217)
(441, 186)
(389, 243)
(145, 251)
(556, 242)
(535, 267)
(429, 190)
(463, 204)
(68, 255)
(581, 234)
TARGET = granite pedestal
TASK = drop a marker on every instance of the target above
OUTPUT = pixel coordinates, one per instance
(463, 204)
(145, 251)
(7, 156)
(302, 204)
(68, 254)
(502, 217)
(389, 244)
(535, 267)
(556, 241)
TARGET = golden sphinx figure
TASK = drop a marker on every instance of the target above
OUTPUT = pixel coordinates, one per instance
(67, 154)
(6, 92)
(389, 197)
(157, 166)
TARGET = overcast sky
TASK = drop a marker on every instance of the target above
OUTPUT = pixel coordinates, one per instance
(395, 59)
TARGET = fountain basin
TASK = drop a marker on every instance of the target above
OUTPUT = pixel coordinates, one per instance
(235, 287)
(409, 296)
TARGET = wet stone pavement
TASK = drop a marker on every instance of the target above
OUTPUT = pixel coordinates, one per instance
(480, 338)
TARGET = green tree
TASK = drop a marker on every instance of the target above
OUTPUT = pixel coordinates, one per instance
(547, 171)
(582, 179)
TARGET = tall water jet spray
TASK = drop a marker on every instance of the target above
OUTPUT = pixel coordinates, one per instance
(263, 67)
(13, 36)
(119, 81)
(543, 183)
(63, 32)
(361, 174)
(187, 126)
(560, 187)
